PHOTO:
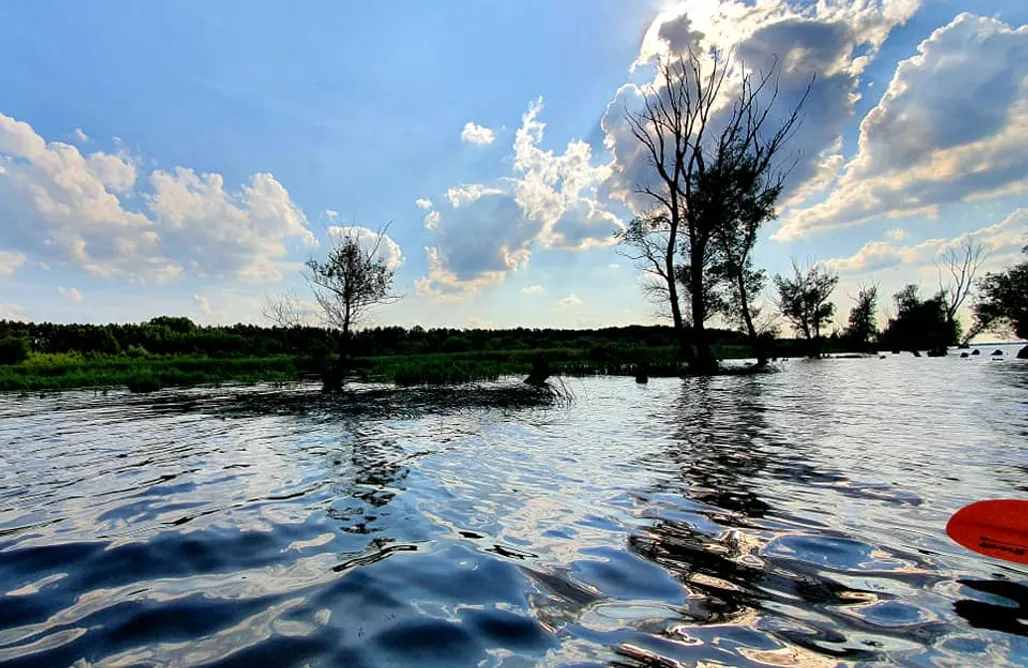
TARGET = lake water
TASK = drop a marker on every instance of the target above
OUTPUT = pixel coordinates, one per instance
(794, 518)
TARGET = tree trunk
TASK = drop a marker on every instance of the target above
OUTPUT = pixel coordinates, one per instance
(704, 362)
(672, 289)
(751, 331)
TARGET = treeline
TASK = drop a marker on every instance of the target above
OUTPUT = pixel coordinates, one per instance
(169, 335)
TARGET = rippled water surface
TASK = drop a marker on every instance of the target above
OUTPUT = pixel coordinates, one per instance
(795, 518)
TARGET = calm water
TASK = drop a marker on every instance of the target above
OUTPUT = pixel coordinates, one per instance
(790, 519)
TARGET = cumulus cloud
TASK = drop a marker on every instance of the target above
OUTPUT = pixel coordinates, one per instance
(67, 207)
(570, 300)
(549, 201)
(423, 203)
(226, 234)
(71, 293)
(1003, 238)
(476, 245)
(80, 135)
(432, 219)
(950, 127)
(331, 214)
(532, 290)
(11, 262)
(477, 134)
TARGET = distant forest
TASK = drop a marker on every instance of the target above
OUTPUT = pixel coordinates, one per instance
(181, 336)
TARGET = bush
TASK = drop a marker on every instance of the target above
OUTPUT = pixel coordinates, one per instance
(13, 350)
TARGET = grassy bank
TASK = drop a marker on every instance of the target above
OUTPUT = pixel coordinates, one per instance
(70, 371)
(45, 372)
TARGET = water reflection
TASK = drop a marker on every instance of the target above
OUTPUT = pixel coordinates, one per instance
(732, 521)
(1005, 610)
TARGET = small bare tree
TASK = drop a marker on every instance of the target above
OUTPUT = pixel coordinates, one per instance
(957, 268)
(349, 283)
(284, 310)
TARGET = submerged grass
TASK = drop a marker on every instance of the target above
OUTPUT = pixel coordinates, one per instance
(146, 374)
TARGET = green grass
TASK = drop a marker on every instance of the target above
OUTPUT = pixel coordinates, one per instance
(66, 371)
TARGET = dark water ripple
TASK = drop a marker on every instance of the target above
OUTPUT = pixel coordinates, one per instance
(789, 519)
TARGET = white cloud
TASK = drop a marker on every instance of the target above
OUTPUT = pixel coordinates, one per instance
(1005, 237)
(570, 300)
(559, 191)
(388, 249)
(12, 312)
(476, 245)
(550, 201)
(469, 192)
(71, 293)
(477, 134)
(423, 203)
(614, 266)
(65, 207)
(203, 305)
(445, 285)
(80, 135)
(949, 128)
(10, 262)
(532, 290)
(331, 214)
(896, 234)
(432, 219)
(224, 234)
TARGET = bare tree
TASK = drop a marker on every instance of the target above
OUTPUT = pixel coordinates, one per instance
(957, 269)
(285, 310)
(670, 126)
(693, 146)
(353, 279)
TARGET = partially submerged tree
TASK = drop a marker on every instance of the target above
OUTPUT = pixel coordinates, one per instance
(353, 278)
(734, 198)
(862, 329)
(703, 153)
(805, 301)
(920, 324)
(1002, 302)
(958, 267)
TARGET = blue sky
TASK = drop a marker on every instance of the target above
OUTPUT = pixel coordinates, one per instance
(186, 157)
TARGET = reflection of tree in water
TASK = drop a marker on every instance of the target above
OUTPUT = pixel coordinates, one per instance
(720, 447)
(369, 470)
(716, 452)
(1009, 618)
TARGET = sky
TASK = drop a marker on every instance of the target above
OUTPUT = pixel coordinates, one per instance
(185, 158)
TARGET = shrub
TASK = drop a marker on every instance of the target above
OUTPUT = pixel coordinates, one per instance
(13, 350)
